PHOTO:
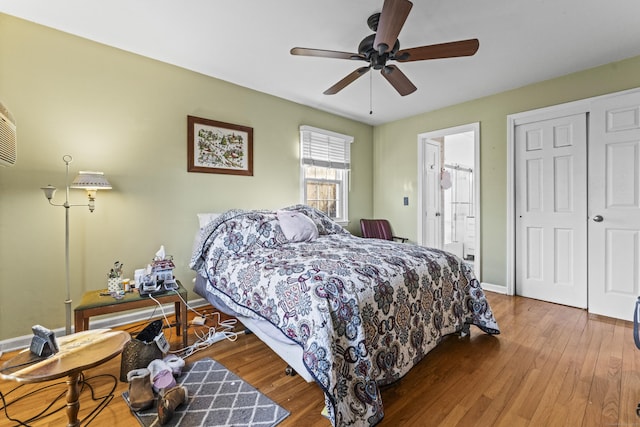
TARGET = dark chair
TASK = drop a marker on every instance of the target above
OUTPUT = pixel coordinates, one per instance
(378, 229)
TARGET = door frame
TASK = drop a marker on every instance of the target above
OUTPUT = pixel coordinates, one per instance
(551, 230)
(429, 144)
(471, 127)
(569, 108)
(513, 120)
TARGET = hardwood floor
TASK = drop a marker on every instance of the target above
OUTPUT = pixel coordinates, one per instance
(551, 366)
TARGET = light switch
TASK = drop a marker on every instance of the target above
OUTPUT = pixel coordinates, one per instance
(406, 201)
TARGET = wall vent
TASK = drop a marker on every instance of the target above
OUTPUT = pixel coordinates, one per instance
(8, 137)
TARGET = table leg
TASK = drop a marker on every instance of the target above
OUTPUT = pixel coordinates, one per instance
(78, 322)
(185, 324)
(81, 322)
(177, 309)
(181, 321)
(73, 399)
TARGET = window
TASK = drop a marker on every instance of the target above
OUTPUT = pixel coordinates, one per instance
(325, 160)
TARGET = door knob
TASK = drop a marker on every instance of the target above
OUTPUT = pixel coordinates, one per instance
(437, 213)
(598, 218)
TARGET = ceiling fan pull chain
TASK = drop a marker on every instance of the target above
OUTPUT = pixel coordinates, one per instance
(370, 93)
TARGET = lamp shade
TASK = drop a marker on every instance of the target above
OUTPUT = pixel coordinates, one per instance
(49, 191)
(91, 181)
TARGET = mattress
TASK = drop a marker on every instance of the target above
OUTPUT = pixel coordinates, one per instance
(284, 347)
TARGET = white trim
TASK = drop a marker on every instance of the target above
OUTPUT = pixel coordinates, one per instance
(513, 120)
(106, 321)
(470, 127)
(493, 288)
(511, 208)
(338, 157)
(347, 138)
(421, 150)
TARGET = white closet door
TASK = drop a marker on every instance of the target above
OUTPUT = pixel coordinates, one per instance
(551, 210)
(614, 205)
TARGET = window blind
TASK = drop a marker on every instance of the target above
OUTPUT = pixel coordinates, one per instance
(324, 148)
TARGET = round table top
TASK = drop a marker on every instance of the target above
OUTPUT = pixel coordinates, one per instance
(77, 352)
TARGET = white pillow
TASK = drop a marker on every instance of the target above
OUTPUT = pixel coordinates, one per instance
(297, 227)
(206, 218)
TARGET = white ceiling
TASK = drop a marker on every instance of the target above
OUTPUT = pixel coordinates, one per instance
(247, 42)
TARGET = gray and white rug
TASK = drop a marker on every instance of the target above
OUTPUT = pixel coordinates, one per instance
(217, 397)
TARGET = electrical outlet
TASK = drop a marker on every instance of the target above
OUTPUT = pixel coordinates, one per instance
(405, 201)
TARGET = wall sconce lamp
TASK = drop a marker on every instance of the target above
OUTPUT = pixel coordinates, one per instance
(90, 181)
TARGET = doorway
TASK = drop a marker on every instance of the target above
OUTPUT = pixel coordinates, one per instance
(448, 189)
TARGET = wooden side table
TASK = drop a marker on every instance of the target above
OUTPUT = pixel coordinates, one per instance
(78, 352)
(94, 304)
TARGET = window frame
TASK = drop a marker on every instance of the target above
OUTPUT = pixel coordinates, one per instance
(339, 200)
(326, 157)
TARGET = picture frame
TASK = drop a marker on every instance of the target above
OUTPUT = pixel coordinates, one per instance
(219, 147)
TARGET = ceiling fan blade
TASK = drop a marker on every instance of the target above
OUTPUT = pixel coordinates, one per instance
(394, 14)
(398, 80)
(437, 51)
(350, 78)
(325, 53)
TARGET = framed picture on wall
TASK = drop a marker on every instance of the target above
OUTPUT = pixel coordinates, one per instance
(218, 147)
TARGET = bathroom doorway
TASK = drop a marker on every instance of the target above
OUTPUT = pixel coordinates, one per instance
(449, 189)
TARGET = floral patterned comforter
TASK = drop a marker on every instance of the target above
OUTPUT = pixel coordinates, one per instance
(364, 311)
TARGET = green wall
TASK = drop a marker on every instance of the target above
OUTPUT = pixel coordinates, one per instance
(395, 152)
(126, 115)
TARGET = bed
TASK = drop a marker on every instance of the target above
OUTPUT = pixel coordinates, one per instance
(349, 313)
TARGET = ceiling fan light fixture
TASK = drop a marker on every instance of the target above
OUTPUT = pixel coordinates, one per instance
(378, 61)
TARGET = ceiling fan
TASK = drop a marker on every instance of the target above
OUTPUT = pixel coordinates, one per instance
(383, 46)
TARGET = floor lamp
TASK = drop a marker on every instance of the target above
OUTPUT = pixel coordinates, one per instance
(90, 181)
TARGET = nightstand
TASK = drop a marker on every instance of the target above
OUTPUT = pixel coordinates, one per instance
(94, 304)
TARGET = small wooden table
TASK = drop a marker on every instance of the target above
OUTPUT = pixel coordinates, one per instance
(94, 304)
(78, 352)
